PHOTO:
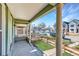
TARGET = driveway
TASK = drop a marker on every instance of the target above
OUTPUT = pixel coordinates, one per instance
(22, 48)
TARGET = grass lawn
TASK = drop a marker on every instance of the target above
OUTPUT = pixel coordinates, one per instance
(67, 54)
(66, 42)
(77, 47)
(42, 45)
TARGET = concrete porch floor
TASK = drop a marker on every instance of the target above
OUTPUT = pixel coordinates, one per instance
(22, 48)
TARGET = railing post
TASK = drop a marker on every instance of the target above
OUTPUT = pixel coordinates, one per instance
(59, 30)
(30, 31)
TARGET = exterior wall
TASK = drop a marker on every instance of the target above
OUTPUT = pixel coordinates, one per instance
(65, 28)
(20, 30)
(6, 30)
(78, 28)
(3, 29)
(0, 29)
(72, 23)
(0, 42)
(10, 37)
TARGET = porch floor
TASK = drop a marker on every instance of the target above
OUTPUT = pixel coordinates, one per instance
(22, 48)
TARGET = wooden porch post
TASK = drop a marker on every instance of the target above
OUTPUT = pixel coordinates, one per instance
(59, 30)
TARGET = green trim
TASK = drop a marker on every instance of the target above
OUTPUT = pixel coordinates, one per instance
(9, 10)
(8, 14)
(6, 9)
(1, 29)
(20, 21)
(44, 10)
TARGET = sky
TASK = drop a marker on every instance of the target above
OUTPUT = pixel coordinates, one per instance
(70, 11)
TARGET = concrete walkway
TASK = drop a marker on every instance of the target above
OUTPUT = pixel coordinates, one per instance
(22, 48)
(73, 44)
(51, 52)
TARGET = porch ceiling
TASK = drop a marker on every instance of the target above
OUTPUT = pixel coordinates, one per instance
(25, 10)
(28, 11)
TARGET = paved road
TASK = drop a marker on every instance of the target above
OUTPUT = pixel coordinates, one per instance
(22, 48)
(73, 38)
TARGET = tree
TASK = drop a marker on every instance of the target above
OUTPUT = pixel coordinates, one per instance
(42, 25)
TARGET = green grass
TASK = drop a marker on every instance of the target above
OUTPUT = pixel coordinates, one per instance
(42, 45)
(66, 42)
(66, 54)
(77, 47)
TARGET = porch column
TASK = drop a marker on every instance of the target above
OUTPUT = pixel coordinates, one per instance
(59, 30)
(27, 30)
(30, 32)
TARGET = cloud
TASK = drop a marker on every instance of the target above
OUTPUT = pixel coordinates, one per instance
(68, 18)
(70, 11)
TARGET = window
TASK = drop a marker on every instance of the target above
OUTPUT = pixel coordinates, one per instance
(20, 31)
(64, 26)
(72, 25)
(72, 29)
(76, 30)
(78, 24)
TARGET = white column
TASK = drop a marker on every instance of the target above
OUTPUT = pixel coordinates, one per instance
(24, 31)
(30, 31)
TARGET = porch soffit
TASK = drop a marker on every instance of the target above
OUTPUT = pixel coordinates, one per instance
(27, 12)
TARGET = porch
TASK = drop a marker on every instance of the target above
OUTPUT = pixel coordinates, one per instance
(15, 14)
(23, 48)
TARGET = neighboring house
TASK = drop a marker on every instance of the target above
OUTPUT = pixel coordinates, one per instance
(71, 27)
(65, 27)
(74, 26)
(42, 31)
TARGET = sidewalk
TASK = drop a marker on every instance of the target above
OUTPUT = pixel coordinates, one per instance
(51, 52)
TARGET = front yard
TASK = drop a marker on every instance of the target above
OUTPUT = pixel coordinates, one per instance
(66, 54)
(66, 42)
(42, 45)
(77, 47)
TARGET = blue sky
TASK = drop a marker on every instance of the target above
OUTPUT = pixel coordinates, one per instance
(70, 11)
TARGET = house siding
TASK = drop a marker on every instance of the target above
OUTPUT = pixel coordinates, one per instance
(71, 28)
(74, 28)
